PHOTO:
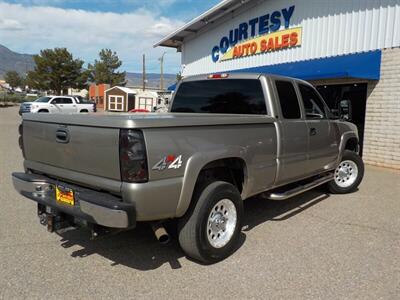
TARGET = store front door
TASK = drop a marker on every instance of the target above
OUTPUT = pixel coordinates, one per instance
(356, 93)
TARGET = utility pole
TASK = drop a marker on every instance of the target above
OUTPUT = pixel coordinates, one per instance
(144, 72)
(161, 59)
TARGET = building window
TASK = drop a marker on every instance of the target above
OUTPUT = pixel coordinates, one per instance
(116, 103)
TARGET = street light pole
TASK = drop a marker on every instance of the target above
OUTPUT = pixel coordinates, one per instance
(144, 72)
(161, 59)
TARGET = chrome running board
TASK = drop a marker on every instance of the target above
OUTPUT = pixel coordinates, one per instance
(299, 189)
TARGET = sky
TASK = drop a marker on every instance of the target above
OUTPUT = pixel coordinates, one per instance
(128, 27)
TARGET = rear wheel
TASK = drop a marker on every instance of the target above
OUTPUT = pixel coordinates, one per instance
(210, 230)
(43, 111)
(348, 174)
(84, 111)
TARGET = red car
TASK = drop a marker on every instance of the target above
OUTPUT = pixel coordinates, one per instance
(139, 110)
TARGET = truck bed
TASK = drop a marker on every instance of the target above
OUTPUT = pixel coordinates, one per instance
(93, 148)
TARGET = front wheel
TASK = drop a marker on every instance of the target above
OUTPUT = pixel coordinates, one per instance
(348, 174)
(210, 230)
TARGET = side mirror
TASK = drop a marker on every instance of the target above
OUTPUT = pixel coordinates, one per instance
(344, 110)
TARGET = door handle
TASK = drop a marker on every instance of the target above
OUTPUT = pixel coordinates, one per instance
(313, 131)
(62, 136)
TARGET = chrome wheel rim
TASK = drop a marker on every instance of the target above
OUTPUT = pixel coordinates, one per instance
(346, 173)
(221, 223)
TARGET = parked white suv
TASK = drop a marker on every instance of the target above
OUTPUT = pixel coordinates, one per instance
(57, 104)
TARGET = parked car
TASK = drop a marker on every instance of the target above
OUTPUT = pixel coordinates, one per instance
(57, 104)
(227, 137)
(139, 110)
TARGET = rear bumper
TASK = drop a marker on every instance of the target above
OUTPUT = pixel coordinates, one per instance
(90, 205)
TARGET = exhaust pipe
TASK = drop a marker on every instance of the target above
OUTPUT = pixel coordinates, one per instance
(160, 232)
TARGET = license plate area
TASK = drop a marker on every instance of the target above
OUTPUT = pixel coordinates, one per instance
(65, 195)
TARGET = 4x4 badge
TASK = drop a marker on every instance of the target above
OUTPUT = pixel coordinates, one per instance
(168, 162)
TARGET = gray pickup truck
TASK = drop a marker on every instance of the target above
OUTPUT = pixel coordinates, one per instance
(227, 137)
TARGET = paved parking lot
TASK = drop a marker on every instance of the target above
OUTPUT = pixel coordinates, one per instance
(315, 245)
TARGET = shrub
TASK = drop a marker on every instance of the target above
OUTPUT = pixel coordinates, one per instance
(11, 98)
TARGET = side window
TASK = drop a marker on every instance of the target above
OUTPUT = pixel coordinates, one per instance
(288, 100)
(66, 100)
(56, 101)
(313, 105)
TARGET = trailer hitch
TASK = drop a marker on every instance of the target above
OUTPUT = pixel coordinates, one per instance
(52, 219)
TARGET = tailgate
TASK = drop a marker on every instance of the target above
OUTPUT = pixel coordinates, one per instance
(85, 149)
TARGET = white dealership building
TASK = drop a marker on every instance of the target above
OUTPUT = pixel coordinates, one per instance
(349, 49)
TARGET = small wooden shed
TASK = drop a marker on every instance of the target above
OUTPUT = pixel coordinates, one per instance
(119, 98)
(146, 100)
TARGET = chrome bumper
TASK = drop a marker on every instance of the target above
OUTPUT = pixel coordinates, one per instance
(23, 110)
(93, 206)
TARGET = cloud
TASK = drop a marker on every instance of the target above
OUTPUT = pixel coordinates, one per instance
(42, 2)
(163, 3)
(100, 5)
(29, 29)
(10, 24)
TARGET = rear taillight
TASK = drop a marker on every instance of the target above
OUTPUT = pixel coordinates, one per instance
(21, 138)
(132, 156)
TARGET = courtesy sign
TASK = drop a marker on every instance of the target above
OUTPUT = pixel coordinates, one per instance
(262, 34)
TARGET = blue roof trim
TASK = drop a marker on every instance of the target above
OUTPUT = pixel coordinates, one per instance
(172, 87)
(365, 65)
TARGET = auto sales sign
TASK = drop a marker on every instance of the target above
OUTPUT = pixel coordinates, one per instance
(259, 35)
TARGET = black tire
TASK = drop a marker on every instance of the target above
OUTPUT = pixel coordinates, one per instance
(43, 111)
(335, 188)
(192, 228)
(84, 111)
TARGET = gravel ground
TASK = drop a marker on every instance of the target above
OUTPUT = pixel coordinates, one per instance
(315, 246)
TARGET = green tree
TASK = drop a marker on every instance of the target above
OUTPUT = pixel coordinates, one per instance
(13, 79)
(179, 76)
(105, 69)
(57, 70)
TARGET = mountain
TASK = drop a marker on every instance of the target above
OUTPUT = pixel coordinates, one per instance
(153, 79)
(12, 61)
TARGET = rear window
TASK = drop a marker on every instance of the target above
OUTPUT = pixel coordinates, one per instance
(226, 96)
(66, 100)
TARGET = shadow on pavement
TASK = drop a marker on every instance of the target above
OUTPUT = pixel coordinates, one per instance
(258, 211)
(140, 250)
